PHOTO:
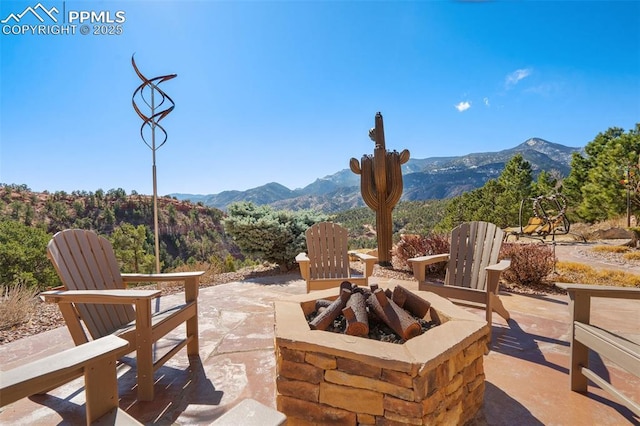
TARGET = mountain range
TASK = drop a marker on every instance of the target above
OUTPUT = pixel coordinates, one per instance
(423, 179)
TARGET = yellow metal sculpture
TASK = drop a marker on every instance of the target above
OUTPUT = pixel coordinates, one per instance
(381, 186)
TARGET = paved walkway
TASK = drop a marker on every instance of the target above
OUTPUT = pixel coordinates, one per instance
(527, 380)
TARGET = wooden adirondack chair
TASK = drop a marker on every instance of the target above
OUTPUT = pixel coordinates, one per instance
(95, 299)
(587, 337)
(326, 264)
(473, 270)
(96, 360)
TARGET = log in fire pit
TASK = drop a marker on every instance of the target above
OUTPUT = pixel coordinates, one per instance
(323, 377)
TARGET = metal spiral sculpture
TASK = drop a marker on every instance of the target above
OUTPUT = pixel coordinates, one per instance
(381, 186)
(152, 122)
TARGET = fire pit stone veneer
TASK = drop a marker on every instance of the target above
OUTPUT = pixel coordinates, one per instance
(330, 378)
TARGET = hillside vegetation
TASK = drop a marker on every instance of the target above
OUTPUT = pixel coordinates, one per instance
(190, 234)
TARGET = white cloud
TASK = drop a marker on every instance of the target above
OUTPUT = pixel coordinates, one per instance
(513, 78)
(486, 101)
(463, 106)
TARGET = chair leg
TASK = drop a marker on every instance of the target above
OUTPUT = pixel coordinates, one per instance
(489, 310)
(191, 295)
(580, 308)
(192, 331)
(579, 358)
(101, 388)
(144, 351)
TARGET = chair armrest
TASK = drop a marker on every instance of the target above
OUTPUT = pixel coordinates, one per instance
(305, 264)
(118, 297)
(589, 290)
(580, 297)
(170, 276)
(499, 267)
(419, 264)
(58, 287)
(364, 256)
(38, 376)
(493, 274)
(427, 260)
(191, 281)
(369, 262)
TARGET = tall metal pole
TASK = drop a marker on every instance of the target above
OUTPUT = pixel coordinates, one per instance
(153, 122)
(628, 197)
(156, 236)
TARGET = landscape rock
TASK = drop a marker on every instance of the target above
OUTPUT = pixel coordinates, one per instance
(613, 234)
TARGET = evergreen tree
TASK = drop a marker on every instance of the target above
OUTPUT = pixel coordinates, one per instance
(267, 234)
(498, 201)
(23, 256)
(545, 184)
(598, 182)
(516, 181)
(128, 243)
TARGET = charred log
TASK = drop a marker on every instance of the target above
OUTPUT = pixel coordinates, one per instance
(356, 315)
(323, 320)
(393, 315)
(410, 301)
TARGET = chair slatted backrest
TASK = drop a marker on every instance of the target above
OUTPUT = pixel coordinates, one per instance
(86, 261)
(474, 246)
(327, 251)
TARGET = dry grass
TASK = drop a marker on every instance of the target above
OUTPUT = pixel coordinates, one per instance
(610, 249)
(17, 305)
(631, 256)
(574, 272)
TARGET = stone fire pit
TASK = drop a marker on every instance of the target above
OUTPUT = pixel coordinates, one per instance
(330, 378)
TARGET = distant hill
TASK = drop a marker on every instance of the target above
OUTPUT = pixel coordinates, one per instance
(423, 179)
(187, 231)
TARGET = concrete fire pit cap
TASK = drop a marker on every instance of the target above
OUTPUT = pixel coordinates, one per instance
(457, 327)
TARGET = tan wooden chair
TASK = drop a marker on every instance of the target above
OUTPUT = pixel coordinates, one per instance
(326, 263)
(95, 360)
(473, 270)
(95, 299)
(586, 336)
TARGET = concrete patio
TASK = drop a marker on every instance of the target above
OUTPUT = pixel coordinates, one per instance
(527, 380)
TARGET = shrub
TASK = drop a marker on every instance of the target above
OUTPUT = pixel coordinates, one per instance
(23, 256)
(411, 245)
(530, 263)
(267, 234)
(17, 304)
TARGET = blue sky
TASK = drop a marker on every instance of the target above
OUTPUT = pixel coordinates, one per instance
(286, 91)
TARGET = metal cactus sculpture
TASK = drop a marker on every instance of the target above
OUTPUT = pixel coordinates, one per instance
(381, 186)
(154, 101)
